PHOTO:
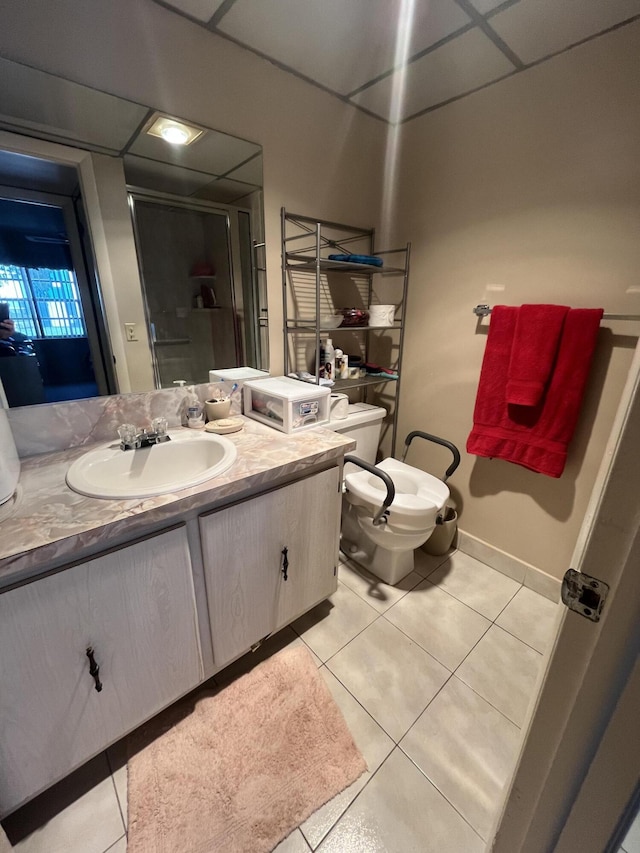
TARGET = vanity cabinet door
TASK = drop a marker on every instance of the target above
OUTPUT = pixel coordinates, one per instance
(312, 536)
(135, 608)
(244, 560)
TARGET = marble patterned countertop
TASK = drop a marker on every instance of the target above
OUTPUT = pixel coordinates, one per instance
(49, 523)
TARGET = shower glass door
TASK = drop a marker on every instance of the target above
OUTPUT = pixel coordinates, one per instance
(184, 254)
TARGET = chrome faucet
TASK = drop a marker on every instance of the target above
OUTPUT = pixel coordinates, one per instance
(131, 438)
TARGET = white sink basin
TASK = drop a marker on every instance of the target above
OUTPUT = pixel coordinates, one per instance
(185, 461)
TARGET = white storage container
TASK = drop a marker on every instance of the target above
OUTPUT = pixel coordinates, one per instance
(289, 405)
(238, 376)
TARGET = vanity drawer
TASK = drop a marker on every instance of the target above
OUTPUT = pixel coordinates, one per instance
(135, 609)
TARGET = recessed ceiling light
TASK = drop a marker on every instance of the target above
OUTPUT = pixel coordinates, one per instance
(175, 132)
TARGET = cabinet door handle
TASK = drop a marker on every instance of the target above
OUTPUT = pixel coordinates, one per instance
(285, 562)
(94, 669)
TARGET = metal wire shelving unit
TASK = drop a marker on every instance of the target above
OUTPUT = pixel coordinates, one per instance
(312, 284)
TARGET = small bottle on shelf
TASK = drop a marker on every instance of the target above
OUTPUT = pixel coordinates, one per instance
(337, 363)
(327, 360)
(342, 365)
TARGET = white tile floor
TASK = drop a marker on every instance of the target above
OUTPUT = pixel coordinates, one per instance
(433, 677)
(631, 842)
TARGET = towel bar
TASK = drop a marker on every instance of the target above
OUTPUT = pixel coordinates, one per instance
(483, 310)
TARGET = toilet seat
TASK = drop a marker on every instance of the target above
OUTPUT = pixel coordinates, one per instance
(417, 492)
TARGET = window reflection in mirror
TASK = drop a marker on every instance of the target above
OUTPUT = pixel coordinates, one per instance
(195, 210)
(50, 346)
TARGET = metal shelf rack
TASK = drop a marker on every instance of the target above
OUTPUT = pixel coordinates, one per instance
(306, 244)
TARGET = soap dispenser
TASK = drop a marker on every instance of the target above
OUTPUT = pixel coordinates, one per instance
(9, 461)
(195, 411)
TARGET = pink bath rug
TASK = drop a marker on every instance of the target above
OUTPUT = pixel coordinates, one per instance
(236, 771)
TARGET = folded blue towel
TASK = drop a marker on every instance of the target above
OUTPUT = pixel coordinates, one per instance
(358, 259)
(385, 374)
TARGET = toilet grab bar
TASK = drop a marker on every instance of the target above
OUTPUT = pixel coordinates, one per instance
(419, 434)
(380, 516)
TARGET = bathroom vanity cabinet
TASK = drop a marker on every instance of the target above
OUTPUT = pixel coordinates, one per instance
(269, 559)
(135, 609)
(258, 564)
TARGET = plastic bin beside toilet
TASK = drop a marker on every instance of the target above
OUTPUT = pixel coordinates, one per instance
(442, 537)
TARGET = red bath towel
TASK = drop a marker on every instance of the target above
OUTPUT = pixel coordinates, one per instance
(533, 352)
(536, 437)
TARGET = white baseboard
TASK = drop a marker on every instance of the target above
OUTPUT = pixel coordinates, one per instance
(507, 564)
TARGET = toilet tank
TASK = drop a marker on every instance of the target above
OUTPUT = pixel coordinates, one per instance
(9, 462)
(363, 424)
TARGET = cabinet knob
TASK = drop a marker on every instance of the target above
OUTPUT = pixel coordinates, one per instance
(285, 562)
(94, 669)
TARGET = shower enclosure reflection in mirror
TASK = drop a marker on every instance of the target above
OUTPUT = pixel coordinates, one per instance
(128, 260)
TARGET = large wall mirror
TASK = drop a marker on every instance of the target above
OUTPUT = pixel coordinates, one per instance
(131, 244)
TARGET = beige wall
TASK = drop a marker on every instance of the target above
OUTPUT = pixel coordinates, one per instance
(321, 157)
(528, 191)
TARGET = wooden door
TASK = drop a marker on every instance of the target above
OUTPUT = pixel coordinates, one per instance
(135, 607)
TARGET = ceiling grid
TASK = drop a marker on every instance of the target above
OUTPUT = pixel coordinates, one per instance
(365, 53)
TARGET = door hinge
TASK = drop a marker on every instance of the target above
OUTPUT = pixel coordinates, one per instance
(584, 594)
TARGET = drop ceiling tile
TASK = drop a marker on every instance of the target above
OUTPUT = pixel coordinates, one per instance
(201, 10)
(536, 28)
(214, 152)
(463, 64)
(65, 111)
(339, 44)
(250, 173)
(162, 177)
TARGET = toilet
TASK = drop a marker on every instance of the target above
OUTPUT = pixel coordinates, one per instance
(363, 424)
(386, 549)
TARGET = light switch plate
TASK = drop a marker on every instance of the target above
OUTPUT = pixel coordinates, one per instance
(131, 331)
